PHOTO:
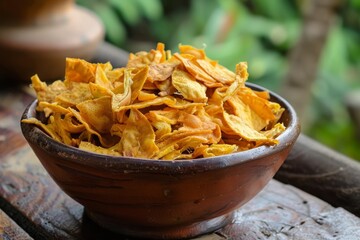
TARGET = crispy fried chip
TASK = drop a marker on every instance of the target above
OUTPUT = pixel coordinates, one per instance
(138, 138)
(160, 106)
(188, 87)
(97, 112)
(78, 70)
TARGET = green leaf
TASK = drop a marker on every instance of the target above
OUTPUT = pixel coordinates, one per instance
(200, 12)
(275, 9)
(114, 28)
(355, 3)
(352, 39)
(128, 10)
(151, 9)
(334, 58)
(215, 26)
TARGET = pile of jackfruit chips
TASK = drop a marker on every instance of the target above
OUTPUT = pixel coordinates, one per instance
(159, 106)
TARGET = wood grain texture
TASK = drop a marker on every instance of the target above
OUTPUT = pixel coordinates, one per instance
(324, 173)
(10, 230)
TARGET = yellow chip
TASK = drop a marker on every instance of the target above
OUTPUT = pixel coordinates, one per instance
(138, 138)
(78, 70)
(97, 113)
(188, 87)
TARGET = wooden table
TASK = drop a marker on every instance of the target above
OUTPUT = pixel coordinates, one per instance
(33, 207)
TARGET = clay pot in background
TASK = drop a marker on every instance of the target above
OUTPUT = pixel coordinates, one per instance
(36, 37)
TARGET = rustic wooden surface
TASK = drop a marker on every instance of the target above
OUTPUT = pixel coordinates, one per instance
(324, 173)
(31, 199)
(10, 230)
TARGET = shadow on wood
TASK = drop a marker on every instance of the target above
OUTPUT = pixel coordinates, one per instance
(324, 173)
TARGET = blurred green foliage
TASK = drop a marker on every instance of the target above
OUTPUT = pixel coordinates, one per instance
(120, 16)
(259, 32)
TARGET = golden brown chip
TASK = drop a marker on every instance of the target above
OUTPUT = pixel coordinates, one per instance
(78, 70)
(190, 50)
(216, 72)
(48, 128)
(216, 150)
(196, 71)
(138, 138)
(105, 140)
(75, 93)
(170, 142)
(45, 93)
(162, 71)
(260, 105)
(122, 99)
(97, 113)
(145, 96)
(188, 87)
(87, 146)
(138, 81)
(50, 108)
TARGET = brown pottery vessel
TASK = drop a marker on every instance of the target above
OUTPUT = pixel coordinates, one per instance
(36, 36)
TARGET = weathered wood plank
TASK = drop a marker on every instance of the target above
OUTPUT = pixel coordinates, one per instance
(324, 173)
(10, 230)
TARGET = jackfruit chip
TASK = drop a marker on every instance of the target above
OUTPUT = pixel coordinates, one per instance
(160, 47)
(49, 108)
(240, 109)
(124, 98)
(168, 101)
(60, 130)
(78, 70)
(70, 124)
(184, 148)
(260, 105)
(275, 131)
(97, 113)
(138, 137)
(216, 72)
(169, 142)
(216, 150)
(146, 96)
(75, 93)
(102, 80)
(98, 91)
(162, 71)
(106, 140)
(188, 87)
(196, 71)
(242, 128)
(115, 76)
(87, 146)
(44, 92)
(138, 81)
(48, 127)
(190, 50)
(165, 88)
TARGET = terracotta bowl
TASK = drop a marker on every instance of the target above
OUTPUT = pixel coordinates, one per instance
(156, 198)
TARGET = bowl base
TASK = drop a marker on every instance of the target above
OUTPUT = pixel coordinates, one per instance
(167, 232)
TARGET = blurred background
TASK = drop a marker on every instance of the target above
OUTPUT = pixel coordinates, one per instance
(265, 34)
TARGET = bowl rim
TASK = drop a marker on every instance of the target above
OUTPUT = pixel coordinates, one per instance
(35, 136)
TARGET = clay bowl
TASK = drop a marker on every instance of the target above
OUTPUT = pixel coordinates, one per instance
(161, 199)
